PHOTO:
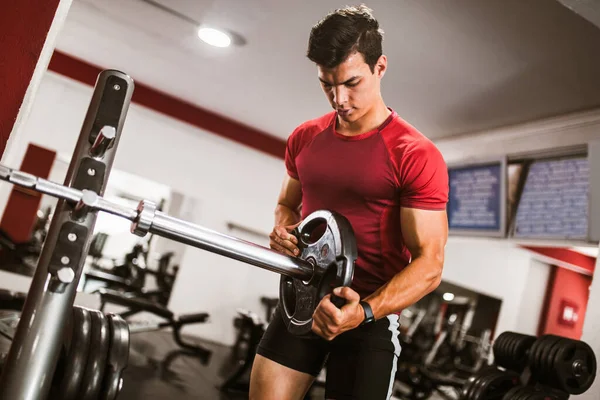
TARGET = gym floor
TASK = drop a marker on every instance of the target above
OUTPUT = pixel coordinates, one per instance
(159, 370)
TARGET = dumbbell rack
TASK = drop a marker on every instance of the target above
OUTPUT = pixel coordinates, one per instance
(526, 367)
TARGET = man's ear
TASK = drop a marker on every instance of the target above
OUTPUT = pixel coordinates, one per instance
(381, 66)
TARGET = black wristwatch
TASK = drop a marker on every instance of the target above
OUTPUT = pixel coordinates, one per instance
(368, 312)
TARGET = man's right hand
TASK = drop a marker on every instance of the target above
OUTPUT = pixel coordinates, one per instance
(283, 241)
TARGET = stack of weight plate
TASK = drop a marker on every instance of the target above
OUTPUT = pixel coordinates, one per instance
(552, 367)
(94, 353)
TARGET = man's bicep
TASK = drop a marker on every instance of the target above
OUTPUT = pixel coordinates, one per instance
(291, 193)
(425, 232)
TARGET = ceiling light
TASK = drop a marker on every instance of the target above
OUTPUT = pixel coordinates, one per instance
(214, 37)
(448, 296)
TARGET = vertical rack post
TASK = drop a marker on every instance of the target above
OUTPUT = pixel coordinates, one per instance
(29, 368)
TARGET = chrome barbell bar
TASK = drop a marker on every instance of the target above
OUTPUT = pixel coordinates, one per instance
(145, 219)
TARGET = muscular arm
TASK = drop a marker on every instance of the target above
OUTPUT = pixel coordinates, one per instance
(287, 211)
(425, 234)
(287, 216)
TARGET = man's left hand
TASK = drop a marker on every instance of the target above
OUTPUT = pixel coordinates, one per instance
(330, 321)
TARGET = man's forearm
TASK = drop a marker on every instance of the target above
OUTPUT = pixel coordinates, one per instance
(285, 216)
(407, 287)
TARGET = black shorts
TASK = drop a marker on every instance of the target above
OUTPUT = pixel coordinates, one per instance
(360, 363)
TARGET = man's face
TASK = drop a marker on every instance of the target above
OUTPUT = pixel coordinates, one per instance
(351, 87)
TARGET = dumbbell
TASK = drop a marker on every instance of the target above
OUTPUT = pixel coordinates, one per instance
(561, 363)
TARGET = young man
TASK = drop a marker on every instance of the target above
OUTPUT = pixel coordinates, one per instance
(363, 161)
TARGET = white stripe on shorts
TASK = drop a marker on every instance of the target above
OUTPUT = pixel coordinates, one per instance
(393, 328)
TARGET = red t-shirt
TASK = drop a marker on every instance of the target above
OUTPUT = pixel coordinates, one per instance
(367, 178)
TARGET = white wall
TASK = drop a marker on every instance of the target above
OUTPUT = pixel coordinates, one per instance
(226, 182)
(532, 302)
(493, 267)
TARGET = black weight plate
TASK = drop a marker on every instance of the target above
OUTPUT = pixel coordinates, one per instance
(502, 382)
(533, 359)
(99, 346)
(523, 345)
(479, 390)
(541, 342)
(481, 382)
(547, 372)
(118, 357)
(76, 355)
(499, 384)
(473, 388)
(327, 241)
(514, 343)
(567, 379)
(499, 348)
(466, 387)
(512, 394)
(545, 362)
(472, 382)
(552, 376)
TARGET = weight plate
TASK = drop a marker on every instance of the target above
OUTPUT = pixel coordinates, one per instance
(70, 375)
(552, 376)
(479, 390)
(512, 394)
(118, 357)
(575, 365)
(327, 241)
(533, 357)
(524, 343)
(480, 380)
(499, 384)
(473, 387)
(99, 347)
(545, 362)
(466, 387)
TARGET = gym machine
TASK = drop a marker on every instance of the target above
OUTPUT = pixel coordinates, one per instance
(62, 351)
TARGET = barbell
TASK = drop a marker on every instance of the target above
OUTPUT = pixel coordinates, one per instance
(325, 238)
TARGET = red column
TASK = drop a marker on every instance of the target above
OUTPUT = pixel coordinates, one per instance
(24, 26)
(20, 214)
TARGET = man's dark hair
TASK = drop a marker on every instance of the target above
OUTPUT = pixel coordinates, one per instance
(343, 32)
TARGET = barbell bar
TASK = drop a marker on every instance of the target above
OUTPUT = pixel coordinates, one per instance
(146, 219)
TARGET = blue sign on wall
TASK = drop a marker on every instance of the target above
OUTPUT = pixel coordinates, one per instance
(554, 203)
(476, 198)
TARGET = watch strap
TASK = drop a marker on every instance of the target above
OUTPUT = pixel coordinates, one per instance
(369, 317)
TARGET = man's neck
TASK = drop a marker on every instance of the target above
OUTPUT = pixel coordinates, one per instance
(371, 120)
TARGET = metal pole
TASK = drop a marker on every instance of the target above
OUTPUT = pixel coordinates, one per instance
(241, 250)
(30, 364)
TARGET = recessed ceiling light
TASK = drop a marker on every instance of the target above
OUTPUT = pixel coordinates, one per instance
(214, 37)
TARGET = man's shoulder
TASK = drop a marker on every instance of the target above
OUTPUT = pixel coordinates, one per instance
(401, 138)
(401, 131)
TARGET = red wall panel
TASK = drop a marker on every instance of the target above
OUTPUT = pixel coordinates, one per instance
(24, 27)
(21, 209)
(567, 303)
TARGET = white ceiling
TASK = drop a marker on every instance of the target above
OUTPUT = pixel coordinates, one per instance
(454, 66)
